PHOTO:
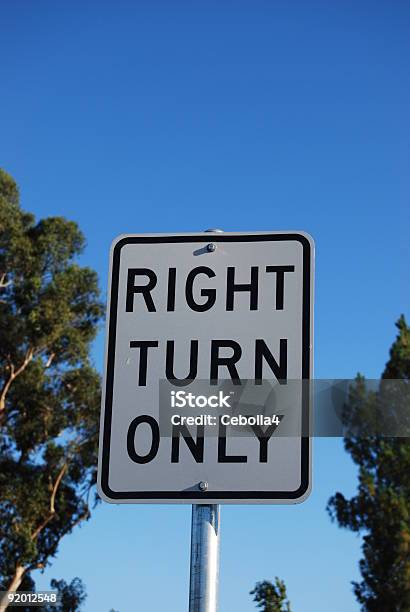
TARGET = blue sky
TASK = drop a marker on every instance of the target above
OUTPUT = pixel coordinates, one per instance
(178, 116)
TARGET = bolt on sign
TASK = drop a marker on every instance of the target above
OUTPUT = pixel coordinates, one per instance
(203, 330)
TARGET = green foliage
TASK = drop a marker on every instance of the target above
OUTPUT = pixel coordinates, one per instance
(271, 597)
(71, 596)
(49, 392)
(381, 507)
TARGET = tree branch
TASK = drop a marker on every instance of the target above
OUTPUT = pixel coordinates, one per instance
(52, 510)
(13, 586)
(50, 360)
(3, 282)
(13, 375)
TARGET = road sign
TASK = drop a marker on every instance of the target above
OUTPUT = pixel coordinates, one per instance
(194, 319)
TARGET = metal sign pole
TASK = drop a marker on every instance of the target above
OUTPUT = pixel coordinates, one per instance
(204, 571)
(203, 584)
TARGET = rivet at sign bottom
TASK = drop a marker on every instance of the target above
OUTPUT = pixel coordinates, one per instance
(203, 485)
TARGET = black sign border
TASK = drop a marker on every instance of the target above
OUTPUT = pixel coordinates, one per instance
(206, 496)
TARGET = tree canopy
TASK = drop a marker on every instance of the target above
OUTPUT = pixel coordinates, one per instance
(381, 508)
(71, 596)
(271, 596)
(50, 310)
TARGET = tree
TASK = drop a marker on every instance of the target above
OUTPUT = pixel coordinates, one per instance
(71, 596)
(271, 597)
(49, 392)
(381, 507)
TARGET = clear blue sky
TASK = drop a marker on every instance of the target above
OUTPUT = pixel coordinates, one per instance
(178, 116)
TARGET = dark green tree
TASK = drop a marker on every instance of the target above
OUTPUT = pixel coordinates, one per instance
(271, 597)
(71, 596)
(49, 392)
(381, 508)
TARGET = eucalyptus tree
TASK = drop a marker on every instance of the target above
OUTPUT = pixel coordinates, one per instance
(50, 310)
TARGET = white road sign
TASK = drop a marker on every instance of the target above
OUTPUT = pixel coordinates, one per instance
(197, 322)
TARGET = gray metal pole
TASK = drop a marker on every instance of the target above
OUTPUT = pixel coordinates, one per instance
(204, 573)
(203, 584)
